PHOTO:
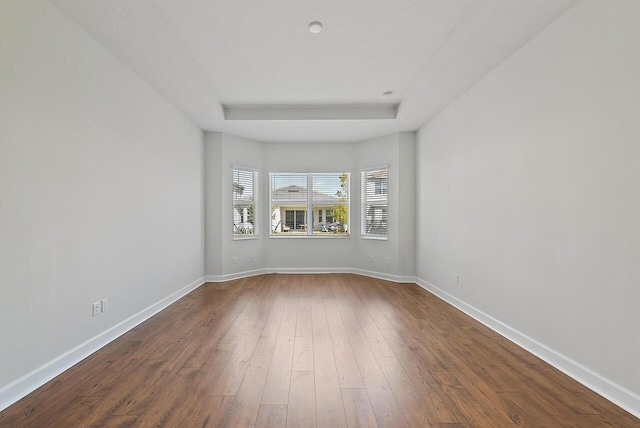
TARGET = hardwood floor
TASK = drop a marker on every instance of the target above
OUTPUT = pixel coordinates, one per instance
(313, 350)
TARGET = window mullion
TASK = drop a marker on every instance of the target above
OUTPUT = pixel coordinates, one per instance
(309, 203)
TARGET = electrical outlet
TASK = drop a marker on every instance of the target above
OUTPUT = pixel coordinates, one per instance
(235, 260)
(251, 259)
(387, 260)
(96, 308)
(457, 279)
(371, 259)
(105, 305)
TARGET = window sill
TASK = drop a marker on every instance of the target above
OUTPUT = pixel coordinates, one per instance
(284, 236)
(374, 237)
(245, 238)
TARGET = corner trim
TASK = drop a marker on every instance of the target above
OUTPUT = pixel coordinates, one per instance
(610, 390)
(14, 391)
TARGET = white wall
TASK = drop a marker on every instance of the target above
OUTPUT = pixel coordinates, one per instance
(528, 188)
(398, 152)
(295, 253)
(213, 203)
(222, 153)
(407, 203)
(101, 190)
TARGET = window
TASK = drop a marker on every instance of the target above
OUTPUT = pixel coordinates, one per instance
(309, 204)
(245, 185)
(374, 202)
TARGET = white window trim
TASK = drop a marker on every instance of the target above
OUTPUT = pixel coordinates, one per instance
(363, 214)
(256, 204)
(309, 206)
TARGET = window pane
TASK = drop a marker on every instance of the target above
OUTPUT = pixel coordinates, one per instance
(330, 187)
(244, 185)
(289, 187)
(374, 202)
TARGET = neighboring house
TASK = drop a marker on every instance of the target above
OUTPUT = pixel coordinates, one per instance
(375, 191)
(289, 210)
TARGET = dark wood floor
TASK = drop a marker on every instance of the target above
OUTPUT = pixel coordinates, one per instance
(313, 350)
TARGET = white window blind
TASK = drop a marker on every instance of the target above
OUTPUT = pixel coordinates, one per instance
(309, 204)
(245, 185)
(374, 202)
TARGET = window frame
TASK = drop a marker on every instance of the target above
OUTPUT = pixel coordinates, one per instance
(254, 234)
(367, 199)
(308, 205)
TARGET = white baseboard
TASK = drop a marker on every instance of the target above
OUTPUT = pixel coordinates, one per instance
(610, 390)
(301, 271)
(308, 271)
(232, 276)
(385, 276)
(19, 388)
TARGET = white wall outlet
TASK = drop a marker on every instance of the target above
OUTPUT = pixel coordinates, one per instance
(371, 259)
(387, 260)
(457, 278)
(235, 260)
(251, 259)
(96, 308)
(105, 305)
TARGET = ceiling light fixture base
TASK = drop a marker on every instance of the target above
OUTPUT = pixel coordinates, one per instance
(315, 27)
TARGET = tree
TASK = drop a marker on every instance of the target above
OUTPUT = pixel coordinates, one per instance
(250, 211)
(340, 211)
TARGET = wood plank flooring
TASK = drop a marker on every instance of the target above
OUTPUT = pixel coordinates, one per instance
(332, 351)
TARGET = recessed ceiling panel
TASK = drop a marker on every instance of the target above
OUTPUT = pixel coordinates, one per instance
(311, 112)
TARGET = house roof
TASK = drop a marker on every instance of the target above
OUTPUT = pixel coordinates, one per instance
(298, 193)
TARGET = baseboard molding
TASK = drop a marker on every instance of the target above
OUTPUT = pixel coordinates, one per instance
(307, 271)
(385, 276)
(610, 390)
(19, 388)
(232, 276)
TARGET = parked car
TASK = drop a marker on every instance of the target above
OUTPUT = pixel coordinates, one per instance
(331, 227)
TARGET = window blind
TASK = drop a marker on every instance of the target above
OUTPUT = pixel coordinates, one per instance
(374, 202)
(244, 191)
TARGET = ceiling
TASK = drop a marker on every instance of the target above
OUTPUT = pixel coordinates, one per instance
(259, 60)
